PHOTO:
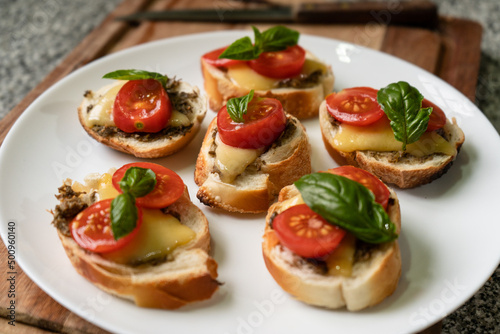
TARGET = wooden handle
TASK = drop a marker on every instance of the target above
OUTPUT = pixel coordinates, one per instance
(418, 13)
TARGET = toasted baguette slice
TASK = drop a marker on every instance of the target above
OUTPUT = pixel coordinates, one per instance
(159, 144)
(188, 275)
(300, 102)
(405, 172)
(254, 189)
(375, 272)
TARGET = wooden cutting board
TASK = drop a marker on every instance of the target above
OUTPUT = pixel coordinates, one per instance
(452, 52)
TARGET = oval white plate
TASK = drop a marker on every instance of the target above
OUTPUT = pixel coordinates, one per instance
(450, 229)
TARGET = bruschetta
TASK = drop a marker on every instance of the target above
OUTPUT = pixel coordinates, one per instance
(394, 133)
(274, 66)
(331, 239)
(135, 233)
(145, 114)
(246, 159)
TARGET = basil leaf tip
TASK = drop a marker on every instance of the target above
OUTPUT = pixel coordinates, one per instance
(402, 103)
(238, 106)
(276, 38)
(136, 75)
(347, 204)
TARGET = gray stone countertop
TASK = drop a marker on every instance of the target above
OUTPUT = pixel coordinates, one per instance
(36, 35)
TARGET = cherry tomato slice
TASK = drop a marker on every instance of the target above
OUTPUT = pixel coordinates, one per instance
(437, 119)
(355, 106)
(280, 64)
(306, 233)
(263, 123)
(142, 106)
(169, 186)
(91, 228)
(213, 59)
(367, 179)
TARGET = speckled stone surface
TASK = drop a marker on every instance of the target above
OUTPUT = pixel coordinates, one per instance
(36, 35)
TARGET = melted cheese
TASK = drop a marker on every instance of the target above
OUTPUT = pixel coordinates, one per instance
(158, 236)
(102, 103)
(340, 261)
(380, 137)
(243, 76)
(232, 161)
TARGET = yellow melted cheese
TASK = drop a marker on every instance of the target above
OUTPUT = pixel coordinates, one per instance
(245, 77)
(380, 137)
(232, 161)
(158, 235)
(340, 261)
(102, 103)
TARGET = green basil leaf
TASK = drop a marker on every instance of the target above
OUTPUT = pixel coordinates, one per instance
(402, 104)
(238, 106)
(123, 215)
(347, 204)
(258, 40)
(242, 49)
(278, 38)
(136, 75)
(138, 181)
(273, 39)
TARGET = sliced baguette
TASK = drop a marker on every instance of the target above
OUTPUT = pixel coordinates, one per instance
(408, 171)
(161, 145)
(255, 189)
(375, 274)
(188, 275)
(300, 102)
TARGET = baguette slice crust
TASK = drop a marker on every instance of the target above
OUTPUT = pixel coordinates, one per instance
(188, 275)
(253, 190)
(300, 102)
(375, 275)
(162, 145)
(407, 172)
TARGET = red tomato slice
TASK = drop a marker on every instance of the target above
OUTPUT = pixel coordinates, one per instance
(91, 228)
(355, 106)
(367, 179)
(213, 59)
(280, 64)
(437, 119)
(263, 123)
(169, 186)
(306, 233)
(142, 106)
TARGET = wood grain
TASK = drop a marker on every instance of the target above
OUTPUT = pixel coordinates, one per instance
(461, 54)
(418, 46)
(451, 52)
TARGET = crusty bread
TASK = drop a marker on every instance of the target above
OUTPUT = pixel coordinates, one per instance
(188, 275)
(407, 171)
(255, 189)
(375, 273)
(300, 102)
(160, 146)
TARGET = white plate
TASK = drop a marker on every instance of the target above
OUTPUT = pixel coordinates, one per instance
(449, 240)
